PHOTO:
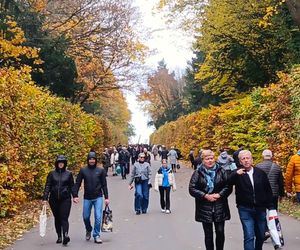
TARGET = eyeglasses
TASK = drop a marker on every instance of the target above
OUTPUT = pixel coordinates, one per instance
(142, 157)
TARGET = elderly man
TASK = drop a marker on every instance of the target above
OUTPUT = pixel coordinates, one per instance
(253, 197)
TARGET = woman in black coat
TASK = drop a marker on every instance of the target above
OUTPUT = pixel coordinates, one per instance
(58, 188)
(208, 185)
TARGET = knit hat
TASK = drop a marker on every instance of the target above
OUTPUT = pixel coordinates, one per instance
(223, 157)
(267, 154)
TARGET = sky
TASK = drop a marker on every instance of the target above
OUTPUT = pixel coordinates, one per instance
(171, 45)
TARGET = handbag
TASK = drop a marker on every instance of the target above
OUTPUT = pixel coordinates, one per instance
(43, 221)
(138, 180)
(118, 170)
(178, 166)
(107, 221)
(275, 229)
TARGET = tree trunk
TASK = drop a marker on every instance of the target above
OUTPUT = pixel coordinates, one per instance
(294, 8)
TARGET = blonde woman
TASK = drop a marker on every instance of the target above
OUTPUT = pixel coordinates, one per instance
(164, 181)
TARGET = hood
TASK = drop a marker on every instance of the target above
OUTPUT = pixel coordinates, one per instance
(61, 158)
(92, 154)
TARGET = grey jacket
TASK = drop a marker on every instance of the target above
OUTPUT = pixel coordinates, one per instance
(140, 169)
(274, 175)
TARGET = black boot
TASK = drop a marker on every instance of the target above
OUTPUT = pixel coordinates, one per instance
(66, 239)
(59, 240)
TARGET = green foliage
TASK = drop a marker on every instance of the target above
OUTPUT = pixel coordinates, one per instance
(240, 53)
(267, 118)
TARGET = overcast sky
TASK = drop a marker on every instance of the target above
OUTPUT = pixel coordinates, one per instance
(171, 45)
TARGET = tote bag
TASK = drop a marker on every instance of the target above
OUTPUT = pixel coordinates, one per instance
(43, 221)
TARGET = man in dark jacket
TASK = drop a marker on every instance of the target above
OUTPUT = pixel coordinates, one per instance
(95, 187)
(164, 153)
(253, 196)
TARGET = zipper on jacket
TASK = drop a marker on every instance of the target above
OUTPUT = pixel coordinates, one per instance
(59, 183)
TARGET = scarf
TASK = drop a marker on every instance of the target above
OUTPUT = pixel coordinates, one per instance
(210, 175)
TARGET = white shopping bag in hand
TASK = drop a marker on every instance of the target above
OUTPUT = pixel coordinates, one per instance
(275, 229)
(43, 221)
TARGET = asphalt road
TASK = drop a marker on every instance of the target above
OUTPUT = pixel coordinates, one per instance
(154, 230)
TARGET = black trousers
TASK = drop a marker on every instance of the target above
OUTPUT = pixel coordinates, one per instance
(209, 235)
(61, 211)
(173, 167)
(164, 197)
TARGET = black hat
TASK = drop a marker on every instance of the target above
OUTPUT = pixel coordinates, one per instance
(92, 154)
(61, 158)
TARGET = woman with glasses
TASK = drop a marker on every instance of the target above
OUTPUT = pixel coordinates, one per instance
(164, 181)
(141, 176)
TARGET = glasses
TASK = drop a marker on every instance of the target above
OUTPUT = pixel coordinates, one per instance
(142, 157)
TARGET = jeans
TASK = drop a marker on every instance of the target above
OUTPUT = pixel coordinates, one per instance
(253, 221)
(87, 208)
(61, 211)
(123, 170)
(141, 199)
(209, 235)
(298, 197)
(164, 203)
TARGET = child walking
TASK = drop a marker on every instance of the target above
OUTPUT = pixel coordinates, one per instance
(164, 181)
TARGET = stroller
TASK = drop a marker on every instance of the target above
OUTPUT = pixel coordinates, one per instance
(107, 222)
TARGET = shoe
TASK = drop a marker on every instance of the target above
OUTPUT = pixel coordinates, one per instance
(98, 240)
(66, 240)
(267, 236)
(138, 212)
(163, 210)
(168, 211)
(88, 235)
(59, 240)
(144, 211)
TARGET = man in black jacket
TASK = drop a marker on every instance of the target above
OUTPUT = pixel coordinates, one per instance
(253, 197)
(95, 187)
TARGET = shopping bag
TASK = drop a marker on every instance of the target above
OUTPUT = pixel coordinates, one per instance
(43, 221)
(275, 229)
(178, 166)
(118, 170)
(107, 221)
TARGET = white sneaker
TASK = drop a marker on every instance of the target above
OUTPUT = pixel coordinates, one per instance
(168, 211)
(163, 210)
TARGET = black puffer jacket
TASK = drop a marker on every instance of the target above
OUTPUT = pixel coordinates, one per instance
(210, 211)
(59, 182)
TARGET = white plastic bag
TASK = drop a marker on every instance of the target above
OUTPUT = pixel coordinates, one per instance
(275, 229)
(43, 221)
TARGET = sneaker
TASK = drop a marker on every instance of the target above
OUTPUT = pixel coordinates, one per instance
(98, 240)
(168, 211)
(267, 236)
(66, 240)
(59, 240)
(138, 212)
(144, 211)
(88, 235)
(163, 210)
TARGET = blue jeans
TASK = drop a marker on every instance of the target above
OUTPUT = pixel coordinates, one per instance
(298, 197)
(141, 199)
(253, 221)
(87, 208)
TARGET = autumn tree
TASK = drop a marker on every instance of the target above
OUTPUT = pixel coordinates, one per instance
(163, 96)
(102, 42)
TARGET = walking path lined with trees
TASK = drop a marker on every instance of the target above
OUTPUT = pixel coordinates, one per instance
(154, 230)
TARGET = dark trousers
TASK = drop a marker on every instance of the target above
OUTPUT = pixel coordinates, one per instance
(123, 170)
(209, 235)
(164, 197)
(61, 211)
(173, 167)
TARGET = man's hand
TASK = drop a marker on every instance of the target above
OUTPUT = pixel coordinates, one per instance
(106, 201)
(241, 171)
(216, 196)
(130, 187)
(76, 200)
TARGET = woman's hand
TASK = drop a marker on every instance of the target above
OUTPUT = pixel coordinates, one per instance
(130, 187)
(45, 203)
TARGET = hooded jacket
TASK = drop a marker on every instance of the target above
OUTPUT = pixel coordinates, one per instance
(207, 211)
(293, 173)
(94, 177)
(59, 182)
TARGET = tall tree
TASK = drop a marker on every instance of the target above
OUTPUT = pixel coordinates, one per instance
(163, 96)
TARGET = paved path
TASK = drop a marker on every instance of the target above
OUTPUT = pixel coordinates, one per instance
(155, 230)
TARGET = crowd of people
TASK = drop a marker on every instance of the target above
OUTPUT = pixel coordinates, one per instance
(257, 188)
